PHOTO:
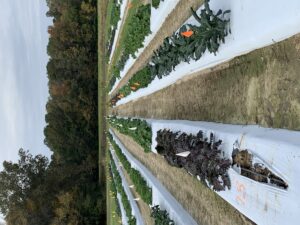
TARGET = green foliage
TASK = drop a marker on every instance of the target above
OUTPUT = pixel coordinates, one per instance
(23, 183)
(124, 198)
(161, 217)
(178, 48)
(137, 179)
(140, 80)
(138, 129)
(113, 190)
(138, 29)
(155, 3)
(114, 19)
(205, 159)
(65, 191)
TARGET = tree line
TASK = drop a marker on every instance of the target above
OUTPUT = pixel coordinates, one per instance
(63, 190)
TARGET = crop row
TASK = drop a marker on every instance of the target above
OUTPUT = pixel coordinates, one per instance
(118, 182)
(161, 217)
(139, 182)
(113, 192)
(138, 129)
(138, 29)
(200, 156)
(188, 44)
(203, 157)
(114, 19)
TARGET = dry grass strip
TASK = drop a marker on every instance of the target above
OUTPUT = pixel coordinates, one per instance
(144, 208)
(205, 206)
(173, 22)
(262, 87)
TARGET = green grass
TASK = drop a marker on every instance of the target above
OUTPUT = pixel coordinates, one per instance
(102, 7)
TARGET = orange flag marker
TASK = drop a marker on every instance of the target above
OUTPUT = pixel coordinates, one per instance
(187, 33)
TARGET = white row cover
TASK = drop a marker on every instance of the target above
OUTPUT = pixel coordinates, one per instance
(254, 24)
(123, 213)
(135, 209)
(122, 14)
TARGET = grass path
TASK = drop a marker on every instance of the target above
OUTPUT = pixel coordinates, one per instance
(102, 69)
(173, 22)
(102, 7)
(204, 205)
(262, 87)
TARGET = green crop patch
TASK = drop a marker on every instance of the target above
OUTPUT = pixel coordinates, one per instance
(138, 28)
(138, 129)
(161, 217)
(188, 44)
(139, 182)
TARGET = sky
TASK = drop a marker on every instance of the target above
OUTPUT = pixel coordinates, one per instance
(23, 77)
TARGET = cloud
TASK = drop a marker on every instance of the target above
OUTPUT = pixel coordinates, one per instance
(23, 79)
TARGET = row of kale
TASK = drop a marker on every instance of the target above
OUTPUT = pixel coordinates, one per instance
(188, 44)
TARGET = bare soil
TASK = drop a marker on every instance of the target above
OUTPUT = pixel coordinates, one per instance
(262, 87)
(204, 205)
(173, 22)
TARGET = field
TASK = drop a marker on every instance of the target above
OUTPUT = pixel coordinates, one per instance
(258, 88)
(196, 112)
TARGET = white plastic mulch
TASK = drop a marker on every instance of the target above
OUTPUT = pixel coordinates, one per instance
(254, 24)
(156, 20)
(279, 150)
(123, 213)
(122, 13)
(135, 209)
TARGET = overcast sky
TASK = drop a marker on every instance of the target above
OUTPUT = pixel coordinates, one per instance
(23, 78)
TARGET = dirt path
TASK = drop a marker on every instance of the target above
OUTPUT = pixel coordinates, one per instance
(175, 19)
(262, 87)
(206, 207)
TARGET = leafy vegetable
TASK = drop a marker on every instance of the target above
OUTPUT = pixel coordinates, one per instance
(138, 29)
(188, 44)
(204, 159)
(138, 129)
(161, 217)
